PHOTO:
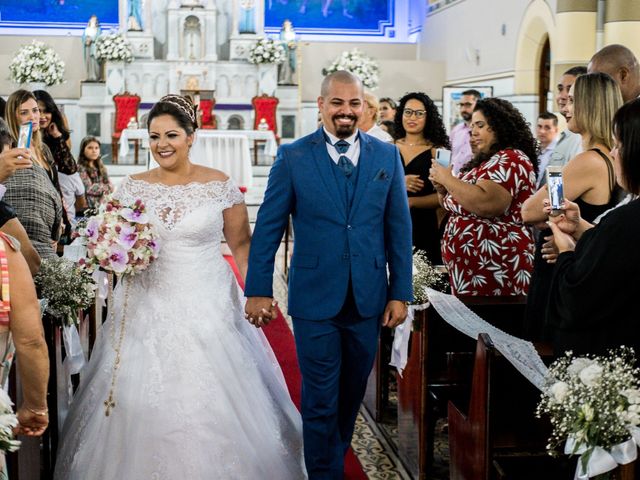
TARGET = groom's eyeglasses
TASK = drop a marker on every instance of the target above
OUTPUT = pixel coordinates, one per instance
(407, 112)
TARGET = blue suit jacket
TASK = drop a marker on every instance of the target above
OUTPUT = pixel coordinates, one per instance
(330, 244)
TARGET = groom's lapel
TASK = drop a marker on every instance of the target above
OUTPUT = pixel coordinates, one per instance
(365, 164)
(321, 157)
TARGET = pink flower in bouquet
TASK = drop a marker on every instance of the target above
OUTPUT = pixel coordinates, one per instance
(118, 259)
(92, 230)
(127, 235)
(136, 214)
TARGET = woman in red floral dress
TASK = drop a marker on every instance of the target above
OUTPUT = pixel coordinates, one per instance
(486, 246)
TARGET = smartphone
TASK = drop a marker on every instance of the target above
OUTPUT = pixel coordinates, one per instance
(443, 156)
(555, 187)
(24, 137)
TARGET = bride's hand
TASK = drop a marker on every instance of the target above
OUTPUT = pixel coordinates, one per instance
(260, 310)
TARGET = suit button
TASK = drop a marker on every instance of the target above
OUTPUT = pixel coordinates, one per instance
(349, 227)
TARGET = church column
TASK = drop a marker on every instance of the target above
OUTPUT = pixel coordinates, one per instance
(622, 24)
(575, 39)
(234, 18)
(211, 37)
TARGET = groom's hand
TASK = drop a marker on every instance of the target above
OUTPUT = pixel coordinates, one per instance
(394, 314)
(260, 310)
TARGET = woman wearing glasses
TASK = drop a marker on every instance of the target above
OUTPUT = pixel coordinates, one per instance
(486, 246)
(419, 131)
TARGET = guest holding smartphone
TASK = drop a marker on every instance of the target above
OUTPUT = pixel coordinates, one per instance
(594, 289)
(419, 131)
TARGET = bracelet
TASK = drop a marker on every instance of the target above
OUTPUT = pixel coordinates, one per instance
(40, 413)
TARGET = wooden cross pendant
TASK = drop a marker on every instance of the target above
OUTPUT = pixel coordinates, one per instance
(109, 403)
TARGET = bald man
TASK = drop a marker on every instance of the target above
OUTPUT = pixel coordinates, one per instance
(619, 62)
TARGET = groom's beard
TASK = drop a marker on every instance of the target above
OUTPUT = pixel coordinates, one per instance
(342, 130)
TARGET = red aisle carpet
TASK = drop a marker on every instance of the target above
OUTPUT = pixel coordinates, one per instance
(283, 345)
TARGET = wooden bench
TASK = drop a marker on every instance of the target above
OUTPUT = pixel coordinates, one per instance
(439, 369)
(497, 436)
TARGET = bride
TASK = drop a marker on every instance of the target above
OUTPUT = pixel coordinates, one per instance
(198, 392)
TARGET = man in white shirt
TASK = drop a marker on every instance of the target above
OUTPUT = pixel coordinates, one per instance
(547, 135)
(368, 122)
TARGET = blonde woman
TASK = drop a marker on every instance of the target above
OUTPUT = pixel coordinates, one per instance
(589, 179)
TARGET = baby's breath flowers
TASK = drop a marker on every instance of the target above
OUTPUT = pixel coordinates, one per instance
(66, 287)
(593, 403)
(358, 63)
(8, 421)
(425, 275)
(37, 62)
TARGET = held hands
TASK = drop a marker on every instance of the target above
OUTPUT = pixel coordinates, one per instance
(30, 423)
(394, 314)
(12, 160)
(260, 310)
(414, 183)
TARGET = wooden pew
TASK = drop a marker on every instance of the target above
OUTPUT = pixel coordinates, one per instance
(499, 436)
(439, 369)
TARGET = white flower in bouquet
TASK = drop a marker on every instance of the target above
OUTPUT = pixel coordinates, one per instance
(37, 62)
(425, 275)
(114, 47)
(266, 50)
(119, 239)
(358, 63)
(8, 421)
(593, 403)
(66, 288)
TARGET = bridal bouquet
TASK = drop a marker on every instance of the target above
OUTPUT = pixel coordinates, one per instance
(8, 421)
(113, 47)
(425, 275)
(267, 50)
(119, 239)
(37, 62)
(66, 287)
(358, 63)
(594, 407)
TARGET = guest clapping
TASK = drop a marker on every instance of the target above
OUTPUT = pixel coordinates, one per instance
(594, 290)
(486, 246)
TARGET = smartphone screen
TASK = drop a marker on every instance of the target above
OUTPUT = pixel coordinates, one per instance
(443, 156)
(554, 184)
(24, 137)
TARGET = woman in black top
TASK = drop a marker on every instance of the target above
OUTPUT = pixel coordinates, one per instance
(418, 132)
(594, 293)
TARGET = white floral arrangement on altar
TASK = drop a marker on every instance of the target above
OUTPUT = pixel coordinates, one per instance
(119, 239)
(267, 50)
(8, 421)
(358, 63)
(594, 406)
(37, 62)
(425, 275)
(113, 47)
(66, 287)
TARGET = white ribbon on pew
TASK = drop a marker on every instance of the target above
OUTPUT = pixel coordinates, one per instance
(102, 283)
(401, 335)
(520, 353)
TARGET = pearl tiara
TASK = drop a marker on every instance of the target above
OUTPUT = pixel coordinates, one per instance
(183, 104)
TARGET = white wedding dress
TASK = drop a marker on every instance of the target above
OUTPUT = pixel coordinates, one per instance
(199, 394)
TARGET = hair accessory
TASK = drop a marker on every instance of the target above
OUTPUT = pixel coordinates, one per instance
(183, 104)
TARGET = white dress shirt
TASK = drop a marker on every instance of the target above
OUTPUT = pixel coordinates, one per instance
(352, 154)
(380, 134)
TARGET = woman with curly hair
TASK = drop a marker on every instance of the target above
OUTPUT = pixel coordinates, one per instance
(419, 131)
(486, 246)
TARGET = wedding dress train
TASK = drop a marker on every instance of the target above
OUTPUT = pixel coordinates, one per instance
(199, 394)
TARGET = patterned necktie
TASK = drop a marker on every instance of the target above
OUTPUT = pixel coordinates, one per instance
(343, 162)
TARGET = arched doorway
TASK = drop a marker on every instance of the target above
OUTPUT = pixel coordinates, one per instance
(544, 76)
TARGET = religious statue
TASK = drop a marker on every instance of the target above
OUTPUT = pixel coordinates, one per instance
(134, 21)
(287, 69)
(92, 65)
(247, 22)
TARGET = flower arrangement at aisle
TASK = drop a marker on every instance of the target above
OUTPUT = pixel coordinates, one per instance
(66, 288)
(119, 240)
(425, 275)
(8, 421)
(113, 47)
(358, 63)
(267, 50)
(37, 62)
(594, 406)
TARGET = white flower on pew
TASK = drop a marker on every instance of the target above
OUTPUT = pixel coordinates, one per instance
(591, 374)
(559, 390)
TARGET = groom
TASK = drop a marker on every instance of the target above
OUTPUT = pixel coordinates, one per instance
(346, 193)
